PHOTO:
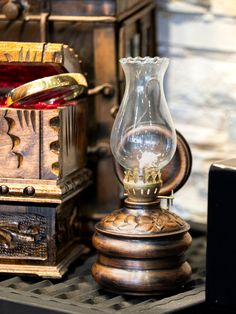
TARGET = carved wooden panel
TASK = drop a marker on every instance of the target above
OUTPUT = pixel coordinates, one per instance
(19, 132)
(23, 236)
(42, 144)
(50, 144)
(73, 138)
(6, 145)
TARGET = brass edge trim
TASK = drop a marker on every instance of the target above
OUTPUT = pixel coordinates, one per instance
(42, 193)
(79, 18)
(30, 199)
(28, 181)
(23, 257)
(76, 82)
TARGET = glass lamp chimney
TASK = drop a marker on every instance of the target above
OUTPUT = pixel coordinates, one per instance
(143, 134)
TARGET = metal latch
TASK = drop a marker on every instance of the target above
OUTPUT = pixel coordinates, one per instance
(106, 89)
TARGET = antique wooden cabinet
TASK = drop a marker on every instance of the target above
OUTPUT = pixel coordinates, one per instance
(42, 166)
(101, 31)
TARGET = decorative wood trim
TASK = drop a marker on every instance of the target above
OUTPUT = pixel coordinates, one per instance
(46, 191)
(56, 271)
(33, 53)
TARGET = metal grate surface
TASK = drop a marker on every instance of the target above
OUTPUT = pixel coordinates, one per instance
(78, 293)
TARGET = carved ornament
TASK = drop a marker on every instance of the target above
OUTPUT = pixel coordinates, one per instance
(147, 222)
(23, 236)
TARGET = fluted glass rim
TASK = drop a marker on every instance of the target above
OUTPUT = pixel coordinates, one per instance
(143, 60)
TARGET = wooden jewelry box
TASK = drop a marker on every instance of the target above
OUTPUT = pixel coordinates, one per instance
(42, 166)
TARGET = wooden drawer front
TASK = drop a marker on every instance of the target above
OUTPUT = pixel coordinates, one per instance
(23, 236)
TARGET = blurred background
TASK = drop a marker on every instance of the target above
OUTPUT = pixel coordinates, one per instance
(199, 38)
(200, 84)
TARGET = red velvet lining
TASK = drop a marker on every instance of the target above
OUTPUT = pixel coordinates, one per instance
(16, 74)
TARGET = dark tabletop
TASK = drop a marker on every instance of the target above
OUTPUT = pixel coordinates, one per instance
(78, 293)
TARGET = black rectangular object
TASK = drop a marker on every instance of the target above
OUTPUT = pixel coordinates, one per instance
(221, 248)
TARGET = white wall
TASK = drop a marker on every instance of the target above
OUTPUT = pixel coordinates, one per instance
(200, 39)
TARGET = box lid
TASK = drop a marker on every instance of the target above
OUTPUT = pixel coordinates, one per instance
(22, 62)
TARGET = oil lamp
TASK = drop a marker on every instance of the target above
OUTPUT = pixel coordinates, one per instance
(141, 246)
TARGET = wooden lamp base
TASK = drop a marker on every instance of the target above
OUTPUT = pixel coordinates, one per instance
(141, 251)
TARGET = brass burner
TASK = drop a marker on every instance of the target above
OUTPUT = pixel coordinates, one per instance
(142, 187)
